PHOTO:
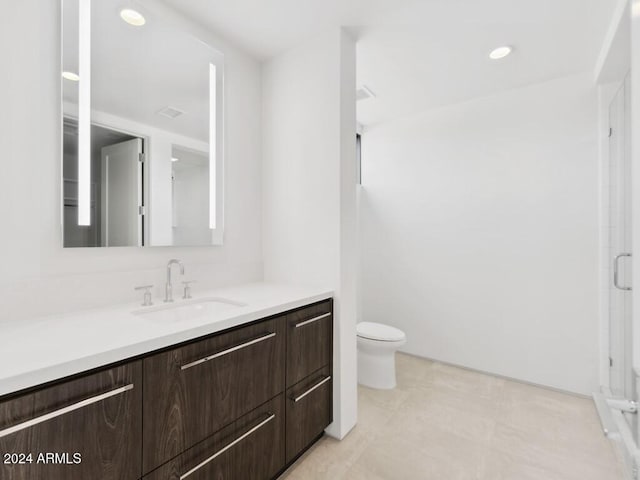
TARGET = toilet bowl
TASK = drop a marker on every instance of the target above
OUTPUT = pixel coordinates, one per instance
(377, 345)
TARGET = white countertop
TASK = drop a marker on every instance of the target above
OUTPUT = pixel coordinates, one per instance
(43, 349)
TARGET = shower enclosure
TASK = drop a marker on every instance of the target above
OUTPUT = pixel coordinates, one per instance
(620, 393)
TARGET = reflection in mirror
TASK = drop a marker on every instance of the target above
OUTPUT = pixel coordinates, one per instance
(115, 189)
(190, 184)
(142, 124)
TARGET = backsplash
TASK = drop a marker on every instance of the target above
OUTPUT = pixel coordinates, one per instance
(48, 295)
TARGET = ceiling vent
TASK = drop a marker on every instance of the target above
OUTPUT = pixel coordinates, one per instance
(364, 92)
(170, 112)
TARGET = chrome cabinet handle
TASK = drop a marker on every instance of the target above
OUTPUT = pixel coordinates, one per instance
(616, 269)
(228, 350)
(62, 411)
(317, 385)
(227, 447)
(311, 320)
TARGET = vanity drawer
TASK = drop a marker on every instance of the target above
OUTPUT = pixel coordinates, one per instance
(252, 448)
(97, 416)
(195, 390)
(309, 407)
(309, 340)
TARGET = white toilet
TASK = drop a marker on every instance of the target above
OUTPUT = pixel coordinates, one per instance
(377, 345)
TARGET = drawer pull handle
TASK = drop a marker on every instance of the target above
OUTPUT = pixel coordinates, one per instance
(228, 350)
(227, 447)
(311, 320)
(317, 385)
(62, 411)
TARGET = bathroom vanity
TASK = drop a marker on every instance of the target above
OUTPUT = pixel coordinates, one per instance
(241, 402)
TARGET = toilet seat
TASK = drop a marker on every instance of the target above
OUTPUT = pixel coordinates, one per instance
(379, 332)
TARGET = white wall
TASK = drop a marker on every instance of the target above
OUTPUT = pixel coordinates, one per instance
(480, 233)
(309, 188)
(38, 276)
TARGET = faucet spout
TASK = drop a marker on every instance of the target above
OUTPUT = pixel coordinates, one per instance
(169, 287)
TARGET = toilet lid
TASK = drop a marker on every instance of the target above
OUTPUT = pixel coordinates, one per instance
(378, 331)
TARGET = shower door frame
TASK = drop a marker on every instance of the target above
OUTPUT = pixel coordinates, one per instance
(620, 378)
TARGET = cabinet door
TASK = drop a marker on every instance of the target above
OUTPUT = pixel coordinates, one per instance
(85, 428)
(309, 341)
(309, 411)
(193, 391)
(252, 448)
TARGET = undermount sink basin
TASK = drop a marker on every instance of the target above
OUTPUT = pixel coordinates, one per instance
(182, 310)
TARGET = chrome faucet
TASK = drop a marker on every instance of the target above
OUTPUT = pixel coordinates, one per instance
(168, 297)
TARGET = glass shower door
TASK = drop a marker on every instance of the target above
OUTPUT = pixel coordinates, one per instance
(621, 378)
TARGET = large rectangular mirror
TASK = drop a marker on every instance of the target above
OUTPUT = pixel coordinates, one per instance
(142, 130)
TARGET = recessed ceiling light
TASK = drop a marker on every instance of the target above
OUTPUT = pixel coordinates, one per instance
(132, 17)
(174, 159)
(71, 76)
(500, 52)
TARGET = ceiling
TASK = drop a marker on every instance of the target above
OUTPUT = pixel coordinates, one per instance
(265, 28)
(435, 52)
(417, 55)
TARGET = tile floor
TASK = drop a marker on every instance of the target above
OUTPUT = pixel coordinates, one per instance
(447, 423)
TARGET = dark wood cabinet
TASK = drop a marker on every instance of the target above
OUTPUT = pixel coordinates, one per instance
(251, 448)
(236, 405)
(309, 340)
(309, 406)
(85, 428)
(193, 391)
